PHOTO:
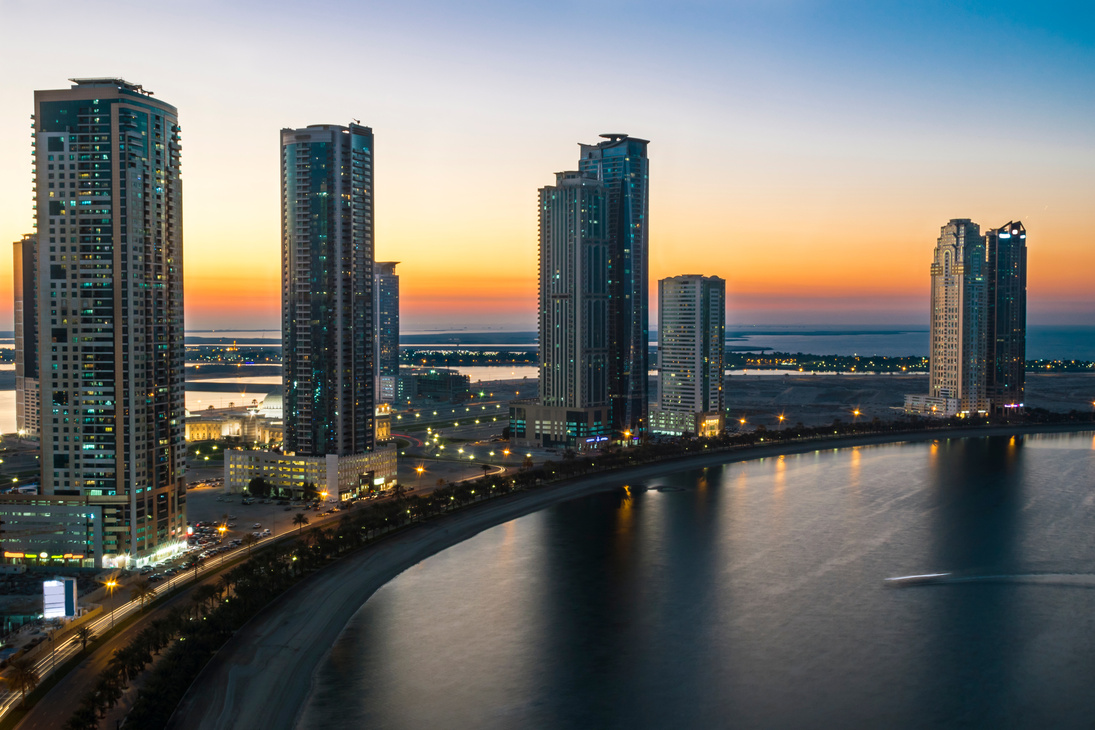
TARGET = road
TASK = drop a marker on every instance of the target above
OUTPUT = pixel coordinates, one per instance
(61, 701)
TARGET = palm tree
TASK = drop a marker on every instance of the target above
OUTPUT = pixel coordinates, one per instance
(83, 635)
(22, 676)
(399, 491)
(86, 717)
(249, 539)
(141, 591)
(301, 520)
(204, 594)
(109, 691)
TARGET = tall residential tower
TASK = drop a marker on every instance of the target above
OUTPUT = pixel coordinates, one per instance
(1006, 254)
(958, 305)
(27, 403)
(386, 288)
(108, 200)
(620, 163)
(329, 327)
(327, 324)
(691, 340)
(573, 408)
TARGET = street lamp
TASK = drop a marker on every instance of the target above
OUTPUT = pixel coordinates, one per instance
(111, 585)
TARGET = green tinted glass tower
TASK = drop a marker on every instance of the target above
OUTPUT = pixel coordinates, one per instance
(328, 327)
(1006, 251)
(620, 163)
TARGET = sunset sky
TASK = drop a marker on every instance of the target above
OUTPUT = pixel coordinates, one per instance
(807, 152)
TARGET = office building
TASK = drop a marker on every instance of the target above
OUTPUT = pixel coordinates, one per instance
(386, 288)
(574, 408)
(436, 385)
(328, 328)
(958, 371)
(1006, 254)
(620, 164)
(108, 202)
(27, 403)
(691, 338)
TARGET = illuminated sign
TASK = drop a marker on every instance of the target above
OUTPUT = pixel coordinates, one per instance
(596, 439)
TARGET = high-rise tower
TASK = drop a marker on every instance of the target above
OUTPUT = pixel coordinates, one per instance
(573, 408)
(328, 327)
(620, 164)
(108, 200)
(691, 340)
(27, 403)
(958, 317)
(386, 287)
(1006, 254)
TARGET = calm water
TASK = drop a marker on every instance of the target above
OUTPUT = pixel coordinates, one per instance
(752, 595)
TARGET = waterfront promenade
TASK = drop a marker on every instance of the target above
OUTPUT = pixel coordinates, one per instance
(257, 679)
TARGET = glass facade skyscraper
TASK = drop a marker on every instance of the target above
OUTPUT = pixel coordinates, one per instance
(386, 286)
(620, 163)
(1006, 252)
(25, 319)
(328, 324)
(108, 201)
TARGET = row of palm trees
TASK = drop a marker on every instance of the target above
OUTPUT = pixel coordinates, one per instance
(191, 638)
(130, 661)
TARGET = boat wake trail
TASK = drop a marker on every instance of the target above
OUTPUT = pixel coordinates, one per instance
(1073, 580)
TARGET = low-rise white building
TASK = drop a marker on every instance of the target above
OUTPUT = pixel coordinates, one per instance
(340, 476)
(934, 406)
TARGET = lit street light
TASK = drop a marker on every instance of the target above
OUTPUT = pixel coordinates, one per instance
(111, 585)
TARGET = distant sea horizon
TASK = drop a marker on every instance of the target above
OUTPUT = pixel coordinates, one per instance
(1048, 342)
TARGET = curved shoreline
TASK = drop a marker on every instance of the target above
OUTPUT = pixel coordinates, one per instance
(255, 679)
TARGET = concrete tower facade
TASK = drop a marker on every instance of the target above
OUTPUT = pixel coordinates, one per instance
(108, 198)
(958, 323)
(573, 408)
(691, 340)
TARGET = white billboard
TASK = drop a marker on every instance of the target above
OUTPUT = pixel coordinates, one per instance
(53, 599)
(59, 598)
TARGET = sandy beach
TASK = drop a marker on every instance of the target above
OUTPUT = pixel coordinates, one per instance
(259, 678)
